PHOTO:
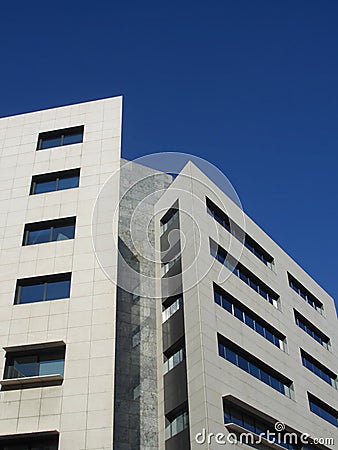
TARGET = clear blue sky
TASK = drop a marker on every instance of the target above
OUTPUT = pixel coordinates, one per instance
(252, 86)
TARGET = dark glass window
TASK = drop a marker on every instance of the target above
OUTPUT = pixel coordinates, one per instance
(59, 138)
(305, 294)
(230, 355)
(236, 308)
(226, 304)
(250, 322)
(176, 422)
(312, 331)
(254, 371)
(238, 233)
(239, 314)
(55, 181)
(324, 411)
(318, 369)
(32, 366)
(35, 363)
(260, 329)
(34, 441)
(269, 336)
(39, 289)
(48, 231)
(243, 273)
(170, 219)
(242, 359)
(251, 422)
(244, 277)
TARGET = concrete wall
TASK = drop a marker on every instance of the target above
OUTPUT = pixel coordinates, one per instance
(211, 377)
(82, 407)
(136, 363)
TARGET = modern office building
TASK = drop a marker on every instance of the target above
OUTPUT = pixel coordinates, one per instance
(144, 311)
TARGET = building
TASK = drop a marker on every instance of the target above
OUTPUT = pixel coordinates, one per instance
(142, 311)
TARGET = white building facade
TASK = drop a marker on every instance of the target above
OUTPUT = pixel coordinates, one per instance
(57, 315)
(221, 335)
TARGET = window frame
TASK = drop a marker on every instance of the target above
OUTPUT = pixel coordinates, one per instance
(31, 440)
(223, 219)
(310, 329)
(60, 134)
(315, 403)
(264, 373)
(50, 225)
(41, 280)
(41, 352)
(305, 294)
(223, 298)
(244, 274)
(176, 422)
(310, 363)
(54, 176)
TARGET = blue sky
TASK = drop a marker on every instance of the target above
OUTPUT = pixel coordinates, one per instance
(249, 85)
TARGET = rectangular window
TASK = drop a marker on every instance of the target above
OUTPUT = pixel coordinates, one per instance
(323, 410)
(43, 288)
(312, 331)
(172, 306)
(55, 181)
(175, 423)
(58, 138)
(319, 369)
(33, 361)
(305, 294)
(172, 360)
(170, 217)
(252, 365)
(253, 423)
(30, 441)
(168, 265)
(243, 273)
(244, 314)
(49, 231)
(224, 220)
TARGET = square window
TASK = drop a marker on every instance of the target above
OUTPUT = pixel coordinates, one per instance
(37, 236)
(68, 182)
(243, 277)
(221, 350)
(32, 293)
(260, 330)
(254, 371)
(45, 186)
(231, 356)
(227, 305)
(243, 363)
(269, 336)
(218, 298)
(58, 289)
(264, 377)
(254, 285)
(239, 314)
(249, 321)
(23, 366)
